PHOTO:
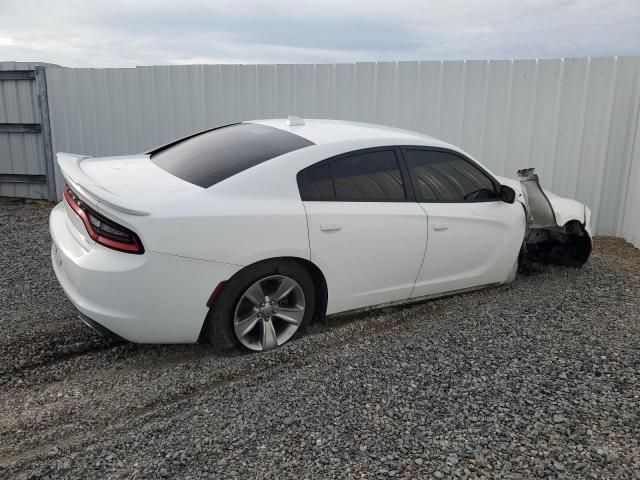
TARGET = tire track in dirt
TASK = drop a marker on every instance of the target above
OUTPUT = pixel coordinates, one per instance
(356, 335)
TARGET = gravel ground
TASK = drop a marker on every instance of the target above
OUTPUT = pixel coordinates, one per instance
(540, 378)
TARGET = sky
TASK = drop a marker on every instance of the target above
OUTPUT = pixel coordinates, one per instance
(126, 33)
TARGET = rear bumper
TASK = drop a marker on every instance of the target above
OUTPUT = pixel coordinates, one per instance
(102, 330)
(149, 298)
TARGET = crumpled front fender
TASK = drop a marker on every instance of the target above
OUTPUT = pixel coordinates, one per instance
(558, 229)
(546, 209)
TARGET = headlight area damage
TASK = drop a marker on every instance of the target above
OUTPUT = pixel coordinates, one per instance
(558, 229)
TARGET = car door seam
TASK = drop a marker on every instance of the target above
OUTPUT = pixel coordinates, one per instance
(424, 255)
(306, 216)
(195, 258)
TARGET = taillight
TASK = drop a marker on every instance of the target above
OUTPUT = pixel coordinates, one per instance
(104, 231)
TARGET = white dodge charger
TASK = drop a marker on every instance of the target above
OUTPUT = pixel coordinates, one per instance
(244, 234)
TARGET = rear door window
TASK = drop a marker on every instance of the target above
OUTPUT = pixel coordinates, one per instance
(317, 184)
(369, 176)
(210, 157)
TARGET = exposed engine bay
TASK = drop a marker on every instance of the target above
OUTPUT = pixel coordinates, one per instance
(553, 236)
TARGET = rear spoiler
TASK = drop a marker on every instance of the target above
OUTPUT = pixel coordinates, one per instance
(86, 188)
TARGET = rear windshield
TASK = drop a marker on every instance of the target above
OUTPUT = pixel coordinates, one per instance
(210, 157)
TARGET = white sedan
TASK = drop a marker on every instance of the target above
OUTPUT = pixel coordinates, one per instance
(244, 234)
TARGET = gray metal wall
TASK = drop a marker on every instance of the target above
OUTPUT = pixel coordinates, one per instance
(631, 219)
(20, 153)
(575, 120)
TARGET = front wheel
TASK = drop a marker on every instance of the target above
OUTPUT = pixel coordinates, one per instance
(262, 307)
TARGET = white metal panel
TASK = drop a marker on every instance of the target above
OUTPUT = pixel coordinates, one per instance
(572, 119)
(212, 95)
(344, 91)
(385, 96)
(324, 91)
(405, 104)
(476, 85)
(284, 90)
(619, 147)
(520, 115)
(545, 120)
(571, 123)
(496, 117)
(365, 92)
(247, 87)
(266, 92)
(304, 90)
(429, 97)
(631, 219)
(597, 121)
(453, 93)
(230, 92)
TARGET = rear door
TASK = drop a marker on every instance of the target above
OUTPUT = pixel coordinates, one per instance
(474, 237)
(366, 232)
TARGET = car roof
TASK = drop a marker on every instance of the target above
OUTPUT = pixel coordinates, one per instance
(324, 131)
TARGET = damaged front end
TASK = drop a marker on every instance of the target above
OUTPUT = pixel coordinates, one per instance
(558, 229)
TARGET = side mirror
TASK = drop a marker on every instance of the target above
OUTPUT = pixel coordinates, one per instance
(507, 194)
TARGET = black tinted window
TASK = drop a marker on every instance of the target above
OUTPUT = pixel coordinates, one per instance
(213, 156)
(369, 176)
(316, 184)
(445, 177)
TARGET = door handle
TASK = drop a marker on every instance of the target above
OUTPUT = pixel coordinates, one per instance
(330, 227)
(440, 226)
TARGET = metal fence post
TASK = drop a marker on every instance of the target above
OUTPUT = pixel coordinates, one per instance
(47, 146)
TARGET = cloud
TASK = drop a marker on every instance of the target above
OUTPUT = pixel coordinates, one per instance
(129, 33)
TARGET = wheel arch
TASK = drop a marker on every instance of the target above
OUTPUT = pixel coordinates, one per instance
(319, 282)
(566, 245)
(582, 238)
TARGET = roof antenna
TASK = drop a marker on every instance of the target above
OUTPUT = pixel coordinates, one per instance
(293, 121)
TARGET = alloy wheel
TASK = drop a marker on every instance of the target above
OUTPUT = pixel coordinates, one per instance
(269, 312)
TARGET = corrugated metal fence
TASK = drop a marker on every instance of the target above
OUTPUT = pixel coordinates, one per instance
(26, 163)
(631, 220)
(575, 120)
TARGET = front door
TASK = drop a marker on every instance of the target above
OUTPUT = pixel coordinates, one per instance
(474, 237)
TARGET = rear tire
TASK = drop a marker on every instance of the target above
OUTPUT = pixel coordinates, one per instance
(237, 308)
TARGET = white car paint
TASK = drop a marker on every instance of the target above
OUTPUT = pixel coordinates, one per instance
(567, 210)
(469, 244)
(369, 253)
(150, 298)
(195, 238)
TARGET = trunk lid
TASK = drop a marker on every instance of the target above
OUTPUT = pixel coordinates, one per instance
(129, 184)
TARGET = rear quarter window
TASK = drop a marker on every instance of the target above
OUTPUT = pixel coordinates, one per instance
(210, 157)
